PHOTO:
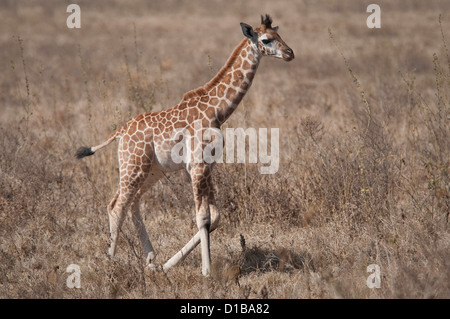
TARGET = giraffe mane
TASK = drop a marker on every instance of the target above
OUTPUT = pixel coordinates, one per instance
(219, 76)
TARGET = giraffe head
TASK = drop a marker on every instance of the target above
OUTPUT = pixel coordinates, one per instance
(266, 40)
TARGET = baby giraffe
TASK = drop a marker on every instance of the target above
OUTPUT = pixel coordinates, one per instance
(146, 142)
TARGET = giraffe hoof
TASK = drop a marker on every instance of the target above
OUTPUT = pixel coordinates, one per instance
(154, 267)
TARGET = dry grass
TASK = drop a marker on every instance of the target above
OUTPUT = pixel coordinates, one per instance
(361, 181)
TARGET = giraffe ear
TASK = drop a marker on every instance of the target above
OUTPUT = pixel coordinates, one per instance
(275, 29)
(248, 31)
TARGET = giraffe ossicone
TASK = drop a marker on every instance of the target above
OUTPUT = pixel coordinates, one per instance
(147, 141)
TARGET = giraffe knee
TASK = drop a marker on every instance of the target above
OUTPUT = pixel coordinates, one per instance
(203, 220)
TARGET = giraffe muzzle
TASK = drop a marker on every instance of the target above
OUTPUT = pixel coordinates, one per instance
(288, 55)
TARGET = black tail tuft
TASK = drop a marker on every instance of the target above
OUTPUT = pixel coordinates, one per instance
(83, 152)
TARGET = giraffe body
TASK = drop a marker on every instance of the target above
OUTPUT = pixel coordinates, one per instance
(146, 142)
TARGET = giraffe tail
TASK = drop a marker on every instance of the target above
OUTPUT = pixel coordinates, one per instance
(88, 151)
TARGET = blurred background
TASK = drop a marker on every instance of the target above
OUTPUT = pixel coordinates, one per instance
(364, 175)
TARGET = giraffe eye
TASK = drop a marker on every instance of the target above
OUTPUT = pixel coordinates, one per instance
(267, 41)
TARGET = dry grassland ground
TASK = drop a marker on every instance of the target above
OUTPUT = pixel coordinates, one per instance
(364, 145)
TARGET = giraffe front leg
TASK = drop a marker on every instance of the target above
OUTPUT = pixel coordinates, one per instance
(205, 203)
(215, 214)
(201, 183)
(203, 224)
(181, 255)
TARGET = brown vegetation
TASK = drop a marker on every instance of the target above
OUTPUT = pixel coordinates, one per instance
(364, 142)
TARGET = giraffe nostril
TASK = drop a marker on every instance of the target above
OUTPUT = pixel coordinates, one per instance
(288, 54)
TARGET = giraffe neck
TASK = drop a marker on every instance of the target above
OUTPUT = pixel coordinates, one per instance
(234, 79)
(219, 97)
(224, 92)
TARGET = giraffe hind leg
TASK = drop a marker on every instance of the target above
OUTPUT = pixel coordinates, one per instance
(113, 202)
(123, 199)
(111, 206)
(116, 218)
(136, 217)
